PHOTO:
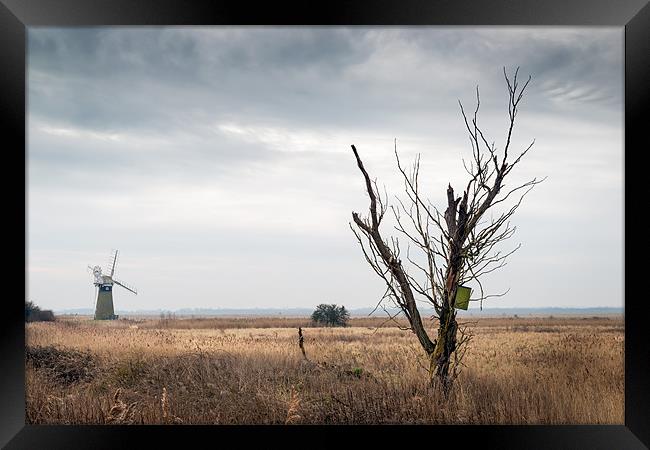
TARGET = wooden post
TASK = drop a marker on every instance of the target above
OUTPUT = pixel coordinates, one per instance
(301, 340)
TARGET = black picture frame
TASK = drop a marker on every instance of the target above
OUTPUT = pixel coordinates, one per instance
(17, 15)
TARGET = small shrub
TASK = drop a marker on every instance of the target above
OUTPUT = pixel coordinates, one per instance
(330, 315)
(31, 311)
(35, 314)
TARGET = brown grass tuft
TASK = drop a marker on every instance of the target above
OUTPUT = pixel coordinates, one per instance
(121, 413)
(293, 408)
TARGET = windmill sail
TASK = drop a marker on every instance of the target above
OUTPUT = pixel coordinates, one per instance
(125, 286)
(114, 262)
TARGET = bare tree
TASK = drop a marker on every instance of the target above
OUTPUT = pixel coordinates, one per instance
(457, 247)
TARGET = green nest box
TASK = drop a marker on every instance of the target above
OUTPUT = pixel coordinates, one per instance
(462, 297)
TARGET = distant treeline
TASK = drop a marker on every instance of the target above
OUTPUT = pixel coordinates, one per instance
(358, 312)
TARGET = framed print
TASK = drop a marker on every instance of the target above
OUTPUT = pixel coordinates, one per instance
(312, 214)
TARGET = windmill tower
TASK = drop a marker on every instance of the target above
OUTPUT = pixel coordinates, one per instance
(104, 283)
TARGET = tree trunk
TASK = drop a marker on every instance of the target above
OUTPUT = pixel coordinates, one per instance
(443, 352)
(446, 341)
(441, 357)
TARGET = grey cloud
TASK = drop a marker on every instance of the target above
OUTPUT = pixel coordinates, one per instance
(116, 76)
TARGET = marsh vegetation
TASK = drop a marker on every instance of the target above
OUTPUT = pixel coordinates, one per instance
(530, 370)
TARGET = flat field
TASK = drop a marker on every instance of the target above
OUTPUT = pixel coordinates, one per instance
(543, 370)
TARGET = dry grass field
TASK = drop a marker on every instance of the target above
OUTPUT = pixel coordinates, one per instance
(251, 371)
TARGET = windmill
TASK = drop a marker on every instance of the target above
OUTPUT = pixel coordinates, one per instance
(104, 283)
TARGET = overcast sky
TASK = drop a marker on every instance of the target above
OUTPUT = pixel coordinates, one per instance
(217, 160)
